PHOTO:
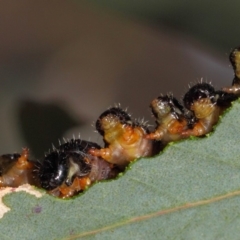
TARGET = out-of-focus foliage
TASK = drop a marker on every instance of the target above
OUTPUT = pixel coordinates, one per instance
(213, 22)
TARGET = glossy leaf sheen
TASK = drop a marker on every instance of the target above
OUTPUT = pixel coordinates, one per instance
(190, 191)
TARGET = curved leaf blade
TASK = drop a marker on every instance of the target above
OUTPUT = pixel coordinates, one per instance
(190, 191)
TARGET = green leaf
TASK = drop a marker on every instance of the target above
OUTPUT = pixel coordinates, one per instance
(190, 191)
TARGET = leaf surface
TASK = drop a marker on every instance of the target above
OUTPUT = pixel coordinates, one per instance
(189, 191)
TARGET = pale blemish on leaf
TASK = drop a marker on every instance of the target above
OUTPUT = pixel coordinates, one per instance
(25, 187)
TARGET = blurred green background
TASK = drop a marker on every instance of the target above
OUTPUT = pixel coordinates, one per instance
(214, 23)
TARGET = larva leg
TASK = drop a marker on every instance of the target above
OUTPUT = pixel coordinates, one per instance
(23, 162)
(157, 135)
(197, 130)
(104, 153)
(177, 127)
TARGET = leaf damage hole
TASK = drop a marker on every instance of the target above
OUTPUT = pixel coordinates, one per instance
(25, 188)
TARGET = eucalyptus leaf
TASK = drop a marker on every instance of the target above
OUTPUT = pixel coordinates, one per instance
(189, 191)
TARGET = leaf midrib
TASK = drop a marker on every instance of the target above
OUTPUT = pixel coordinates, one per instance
(157, 214)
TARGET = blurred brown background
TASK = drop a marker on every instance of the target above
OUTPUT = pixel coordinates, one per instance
(64, 62)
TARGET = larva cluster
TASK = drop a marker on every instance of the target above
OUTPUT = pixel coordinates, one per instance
(75, 165)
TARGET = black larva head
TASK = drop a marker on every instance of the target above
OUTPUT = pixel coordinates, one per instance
(53, 170)
(59, 167)
(198, 91)
(114, 113)
(65, 163)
